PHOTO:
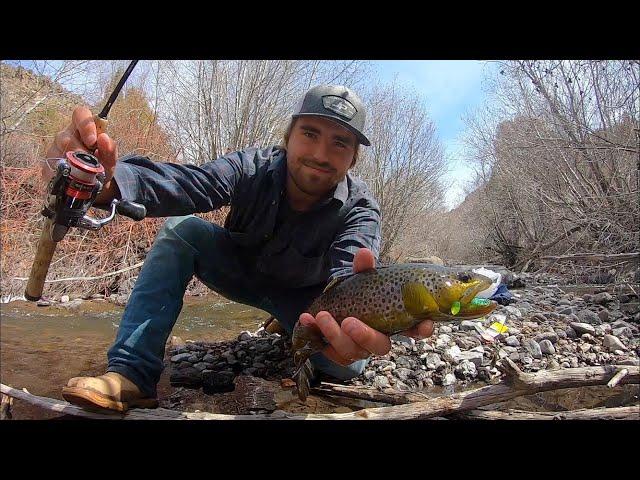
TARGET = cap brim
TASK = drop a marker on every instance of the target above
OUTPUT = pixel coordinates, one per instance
(361, 138)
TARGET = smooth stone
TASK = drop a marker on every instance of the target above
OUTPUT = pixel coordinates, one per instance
(449, 379)
(474, 357)
(547, 348)
(512, 341)
(602, 298)
(533, 348)
(612, 342)
(589, 316)
(581, 328)
(622, 332)
(466, 370)
(551, 336)
(452, 354)
(381, 382)
(180, 357)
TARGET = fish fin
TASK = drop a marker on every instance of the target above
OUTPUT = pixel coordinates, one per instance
(335, 282)
(417, 300)
(302, 378)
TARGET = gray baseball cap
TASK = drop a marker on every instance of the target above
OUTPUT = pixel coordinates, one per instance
(337, 103)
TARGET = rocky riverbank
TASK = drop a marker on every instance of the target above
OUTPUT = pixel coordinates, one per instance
(547, 329)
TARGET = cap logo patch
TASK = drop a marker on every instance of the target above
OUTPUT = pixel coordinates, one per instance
(339, 105)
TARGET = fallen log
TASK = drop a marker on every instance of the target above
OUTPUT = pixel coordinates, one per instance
(618, 413)
(531, 382)
(595, 257)
(516, 383)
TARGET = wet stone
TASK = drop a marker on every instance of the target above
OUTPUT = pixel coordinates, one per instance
(217, 382)
(187, 377)
(180, 357)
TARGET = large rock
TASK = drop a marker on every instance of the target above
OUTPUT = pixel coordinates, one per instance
(449, 379)
(180, 357)
(466, 370)
(452, 354)
(512, 341)
(433, 361)
(551, 336)
(604, 315)
(380, 381)
(468, 325)
(474, 357)
(602, 298)
(622, 332)
(533, 348)
(612, 343)
(403, 373)
(547, 347)
(581, 328)
(406, 341)
(587, 316)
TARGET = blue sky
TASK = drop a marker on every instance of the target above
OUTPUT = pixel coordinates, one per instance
(449, 89)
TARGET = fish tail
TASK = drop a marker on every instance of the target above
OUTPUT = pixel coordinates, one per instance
(302, 378)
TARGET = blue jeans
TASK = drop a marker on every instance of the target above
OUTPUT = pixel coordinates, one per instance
(187, 246)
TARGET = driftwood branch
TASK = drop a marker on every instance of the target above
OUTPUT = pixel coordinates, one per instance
(595, 257)
(87, 279)
(516, 383)
(617, 377)
(619, 413)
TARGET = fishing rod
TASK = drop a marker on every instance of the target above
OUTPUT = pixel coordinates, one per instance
(79, 178)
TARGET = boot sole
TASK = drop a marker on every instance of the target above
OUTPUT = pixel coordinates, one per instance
(91, 400)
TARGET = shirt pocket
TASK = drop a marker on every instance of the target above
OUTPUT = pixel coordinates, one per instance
(292, 269)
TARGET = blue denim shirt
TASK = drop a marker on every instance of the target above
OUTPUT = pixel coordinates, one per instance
(287, 249)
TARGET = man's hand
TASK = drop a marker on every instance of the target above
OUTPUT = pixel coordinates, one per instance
(81, 135)
(354, 340)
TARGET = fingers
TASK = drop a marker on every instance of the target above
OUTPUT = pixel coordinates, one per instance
(366, 337)
(82, 120)
(342, 349)
(107, 153)
(363, 260)
(66, 141)
(422, 330)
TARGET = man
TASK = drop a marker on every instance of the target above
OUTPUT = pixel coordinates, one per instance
(297, 220)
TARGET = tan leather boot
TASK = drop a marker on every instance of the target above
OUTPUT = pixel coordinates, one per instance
(111, 391)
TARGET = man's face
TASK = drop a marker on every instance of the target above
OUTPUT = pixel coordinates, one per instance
(319, 153)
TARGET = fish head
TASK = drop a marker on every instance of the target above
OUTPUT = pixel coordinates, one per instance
(456, 294)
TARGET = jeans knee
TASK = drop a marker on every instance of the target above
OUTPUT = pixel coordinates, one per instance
(190, 229)
(323, 364)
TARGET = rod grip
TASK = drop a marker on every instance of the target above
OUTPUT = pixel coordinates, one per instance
(40, 267)
(101, 124)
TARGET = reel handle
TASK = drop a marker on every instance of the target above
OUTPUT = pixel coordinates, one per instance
(134, 211)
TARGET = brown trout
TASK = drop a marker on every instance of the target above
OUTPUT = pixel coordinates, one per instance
(391, 299)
